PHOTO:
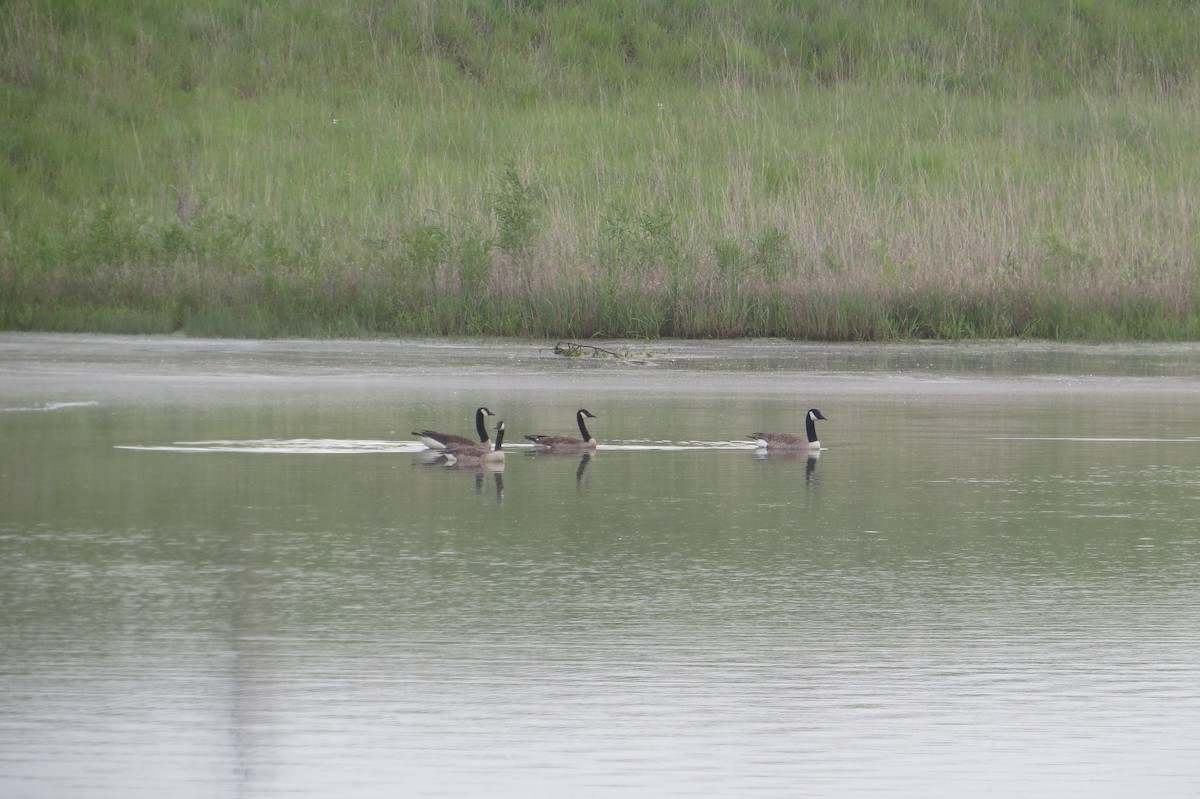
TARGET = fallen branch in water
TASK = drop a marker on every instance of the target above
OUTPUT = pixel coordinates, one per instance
(573, 349)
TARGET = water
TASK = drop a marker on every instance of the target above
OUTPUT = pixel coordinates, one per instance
(225, 571)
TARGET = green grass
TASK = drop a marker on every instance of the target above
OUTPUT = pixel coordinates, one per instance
(861, 170)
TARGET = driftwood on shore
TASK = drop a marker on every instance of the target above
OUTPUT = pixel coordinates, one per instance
(573, 349)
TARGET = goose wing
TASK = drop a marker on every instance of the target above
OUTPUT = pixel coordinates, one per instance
(555, 441)
(437, 440)
(780, 440)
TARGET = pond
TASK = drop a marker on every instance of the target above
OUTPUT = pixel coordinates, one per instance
(228, 568)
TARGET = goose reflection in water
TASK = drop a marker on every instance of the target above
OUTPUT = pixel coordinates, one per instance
(476, 468)
(584, 459)
(497, 475)
(480, 471)
(810, 459)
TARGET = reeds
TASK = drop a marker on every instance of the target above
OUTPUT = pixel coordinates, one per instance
(602, 169)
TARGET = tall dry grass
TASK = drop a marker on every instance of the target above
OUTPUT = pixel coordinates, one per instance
(613, 168)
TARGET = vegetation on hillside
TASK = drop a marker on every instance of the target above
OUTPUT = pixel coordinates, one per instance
(552, 168)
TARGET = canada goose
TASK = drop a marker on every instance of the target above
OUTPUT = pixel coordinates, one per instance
(791, 440)
(436, 440)
(476, 454)
(565, 443)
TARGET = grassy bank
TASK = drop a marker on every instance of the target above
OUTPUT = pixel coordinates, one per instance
(870, 171)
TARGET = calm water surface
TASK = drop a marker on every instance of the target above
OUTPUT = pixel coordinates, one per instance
(225, 570)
